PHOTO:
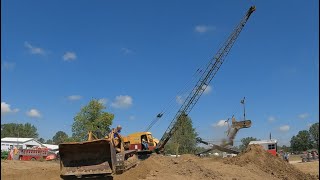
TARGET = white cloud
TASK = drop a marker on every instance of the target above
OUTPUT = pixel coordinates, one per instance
(132, 117)
(5, 109)
(126, 50)
(34, 50)
(103, 101)
(74, 97)
(220, 123)
(284, 128)
(34, 113)
(179, 99)
(204, 28)
(271, 119)
(207, 90)
(122, 101)
(303, 116)
(69, 56)
(7, 65)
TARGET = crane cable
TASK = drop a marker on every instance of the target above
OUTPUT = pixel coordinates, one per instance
(188, 86)
(174, 105)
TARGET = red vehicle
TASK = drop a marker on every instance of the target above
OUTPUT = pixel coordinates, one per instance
(269, 145)
(33, 154)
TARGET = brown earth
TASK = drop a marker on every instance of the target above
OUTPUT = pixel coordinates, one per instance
(255, 163)
(309, 167)
(26, 170)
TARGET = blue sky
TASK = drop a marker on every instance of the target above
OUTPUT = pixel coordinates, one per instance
(138, 56)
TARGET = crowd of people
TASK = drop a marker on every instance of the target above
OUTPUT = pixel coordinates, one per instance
(310, 155)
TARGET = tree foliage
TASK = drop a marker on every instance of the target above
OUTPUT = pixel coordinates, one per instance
(245, 142)
(301, 142)
(184, 139)
(41, 140)
(60, 137)
(19, 130)
(314, 133)
(284, 148)
(91, 118)
(49, 141)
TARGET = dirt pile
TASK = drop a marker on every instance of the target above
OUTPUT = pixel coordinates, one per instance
(255, 155)
(185, 167)
(162, 167)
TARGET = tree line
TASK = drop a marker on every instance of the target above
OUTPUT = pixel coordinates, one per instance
(306, 139)
(92, 117)
(303, 141)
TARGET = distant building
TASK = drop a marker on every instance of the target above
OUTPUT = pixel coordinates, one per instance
(24, 143)
(51, 146)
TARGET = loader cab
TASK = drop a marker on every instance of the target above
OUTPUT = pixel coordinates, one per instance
(134, 141)
(269, 145)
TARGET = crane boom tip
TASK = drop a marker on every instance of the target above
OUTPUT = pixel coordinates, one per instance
(252, 8)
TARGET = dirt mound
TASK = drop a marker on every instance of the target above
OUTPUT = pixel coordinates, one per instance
(255, 155)
(158, 166)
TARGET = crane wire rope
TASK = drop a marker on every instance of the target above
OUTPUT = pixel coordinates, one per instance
(172, 105)
(188, 86)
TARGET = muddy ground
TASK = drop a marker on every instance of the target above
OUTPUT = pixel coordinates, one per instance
(255, 163)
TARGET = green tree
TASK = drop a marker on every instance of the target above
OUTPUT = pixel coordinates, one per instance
(245, 142)
(49, 141)
(284, 148)
(41, 140)
(314, 133)
(302, 141)
(60, 137)
(184, 139)
(19, 130)
(91, 118)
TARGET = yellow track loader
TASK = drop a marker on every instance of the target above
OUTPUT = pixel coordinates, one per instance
(95, 157)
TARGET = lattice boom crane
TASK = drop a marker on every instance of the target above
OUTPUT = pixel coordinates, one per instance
(210, 71)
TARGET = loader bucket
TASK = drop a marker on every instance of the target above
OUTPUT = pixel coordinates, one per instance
(87, 158)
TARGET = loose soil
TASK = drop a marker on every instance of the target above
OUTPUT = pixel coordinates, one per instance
(254, 163)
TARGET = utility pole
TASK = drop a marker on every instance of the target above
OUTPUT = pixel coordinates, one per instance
(244, 108)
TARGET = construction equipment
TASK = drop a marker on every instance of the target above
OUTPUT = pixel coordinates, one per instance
(109, 155)
(134, 142)
(232, 132)
(208, 74)
(214, 146)
(105, 156)
(234, 128)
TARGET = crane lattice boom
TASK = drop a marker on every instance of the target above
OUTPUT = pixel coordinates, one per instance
(211, 69)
